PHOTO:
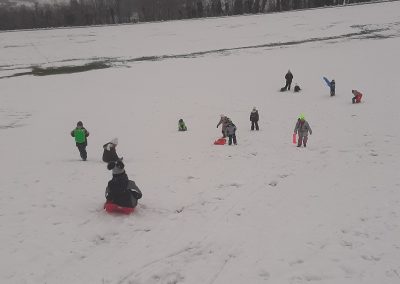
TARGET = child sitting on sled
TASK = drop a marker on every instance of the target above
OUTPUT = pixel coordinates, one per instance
(122, 194)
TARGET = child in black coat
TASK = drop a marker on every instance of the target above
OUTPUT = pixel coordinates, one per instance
(120, 190)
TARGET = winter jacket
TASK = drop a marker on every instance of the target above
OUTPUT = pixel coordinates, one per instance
(289, 77)
(182, 126)
(80, 134)
(122, 191)
(302, 127)
(357, 96)
(224, 121)
(230, 129)
(296, 89)
(254, 115)
(109, 154)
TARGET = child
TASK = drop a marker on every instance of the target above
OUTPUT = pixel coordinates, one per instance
(302, 127)
(357, 97)
(122, 194)
(110, 153)
(331, 85)
(296, 88)
(181, 125)
(224, 121)
(80, 134)
(231, 132)
(288, 78)
(254, 118)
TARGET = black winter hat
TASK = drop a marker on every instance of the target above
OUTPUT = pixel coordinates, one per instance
(79, 123)
(116, 167)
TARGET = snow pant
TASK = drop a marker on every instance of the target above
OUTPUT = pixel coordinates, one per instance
(302, 139)
(332, 92)
(254, 123)
(232, 137)
(288, 84)
(82, 150)
(223, 132)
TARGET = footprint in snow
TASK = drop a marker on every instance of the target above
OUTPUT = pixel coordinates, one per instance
(273, 183)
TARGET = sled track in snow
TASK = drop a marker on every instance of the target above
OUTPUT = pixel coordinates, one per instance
(103, 63)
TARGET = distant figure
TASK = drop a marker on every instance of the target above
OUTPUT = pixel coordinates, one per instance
(357, 97)
(231, 132)
(80, 134)
(122, 194)
(181, 125)
(296, 88)
(110, 153)
(224, 121)
(331, 85)
(254, 118)
(302, 128)
(289, 79)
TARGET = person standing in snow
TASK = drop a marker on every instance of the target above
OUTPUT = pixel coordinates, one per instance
(231, 132)
(120, 190)
(331, 85)
(110, 153)
(254, 118)
(224, 121)
(80, 134)
(289, 79)
(357, 97)
(302, 128)
(181, 125)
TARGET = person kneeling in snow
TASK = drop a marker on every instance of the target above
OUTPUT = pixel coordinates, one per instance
(181, 125)
(122, 194)
(357, 97)
(296, 88)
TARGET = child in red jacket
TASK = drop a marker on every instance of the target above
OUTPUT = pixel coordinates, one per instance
(357, 97)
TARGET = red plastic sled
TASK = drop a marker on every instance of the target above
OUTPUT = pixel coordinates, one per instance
(294, 138)
(114, 208)
(220, 141)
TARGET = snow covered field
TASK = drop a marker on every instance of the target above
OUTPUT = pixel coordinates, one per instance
(263, 211)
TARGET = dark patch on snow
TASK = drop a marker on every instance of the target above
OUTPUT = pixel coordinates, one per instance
(363, 33)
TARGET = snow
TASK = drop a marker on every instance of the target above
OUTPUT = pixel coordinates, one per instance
(263, 211)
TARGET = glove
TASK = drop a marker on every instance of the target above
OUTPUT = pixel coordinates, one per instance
(136, 195)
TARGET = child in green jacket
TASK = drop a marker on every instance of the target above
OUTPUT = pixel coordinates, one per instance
(181, 125)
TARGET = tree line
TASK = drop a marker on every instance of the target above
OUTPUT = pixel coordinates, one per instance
(105, 12)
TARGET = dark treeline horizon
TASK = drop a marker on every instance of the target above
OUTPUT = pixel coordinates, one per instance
(105, 12)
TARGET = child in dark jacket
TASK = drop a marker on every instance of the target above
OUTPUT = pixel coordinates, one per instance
(331, 85)
(254, 117)
(120, 190)
(231, 132)
(110, 153)
(80, 134)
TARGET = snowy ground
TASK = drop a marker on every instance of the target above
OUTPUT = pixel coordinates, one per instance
(260, 212)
